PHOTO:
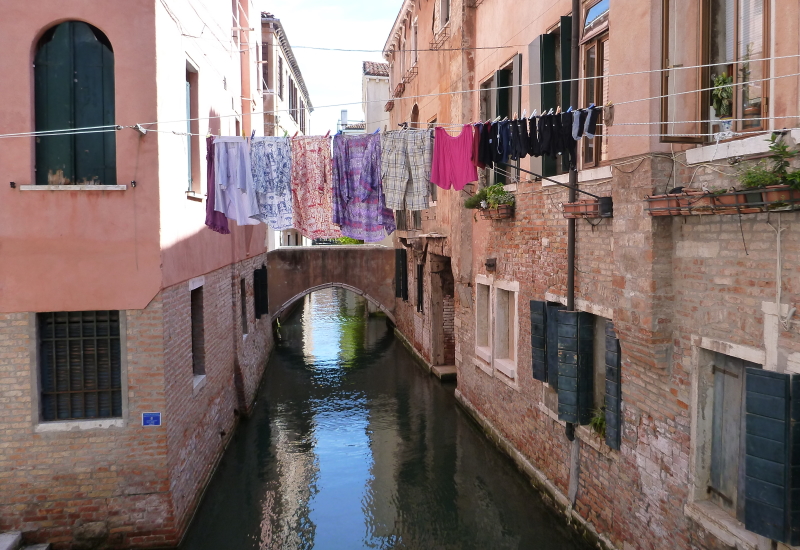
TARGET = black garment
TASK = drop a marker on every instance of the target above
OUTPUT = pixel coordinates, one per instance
(591, 129)
(514, 150)
(545, 132)
(485, 147)
(534, 148)
(494, 142)
(557, 144)
(523, 144)
(569, 143)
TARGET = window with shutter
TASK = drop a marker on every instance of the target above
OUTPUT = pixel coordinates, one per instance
(420, 297)
(613, 391)
(401, 273)
(74, 88)
(198, 333)
(575, 366)
(772, 454)
(544, 341)
(260, 292)
(243, 309)
(80, 365)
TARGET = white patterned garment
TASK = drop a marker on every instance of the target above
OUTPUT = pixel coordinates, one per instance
(235, 196)
(271, 166)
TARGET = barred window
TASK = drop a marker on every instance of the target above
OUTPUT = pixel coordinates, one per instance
(79, 358)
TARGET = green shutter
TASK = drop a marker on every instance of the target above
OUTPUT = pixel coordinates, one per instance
(260, 292)
(566, 61)
(575, 366)
(549, 92)
(613, 389)
(539, 340)
(772, 455)
(74, 88)
(552, 343)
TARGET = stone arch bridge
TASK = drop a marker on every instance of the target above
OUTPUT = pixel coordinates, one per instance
(367, 270)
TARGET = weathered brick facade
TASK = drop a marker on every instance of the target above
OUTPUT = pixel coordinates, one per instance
(129, 485)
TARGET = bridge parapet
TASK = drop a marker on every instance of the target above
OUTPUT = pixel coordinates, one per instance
(367, 270)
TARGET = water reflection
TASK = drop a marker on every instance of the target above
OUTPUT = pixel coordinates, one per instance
(351, 445)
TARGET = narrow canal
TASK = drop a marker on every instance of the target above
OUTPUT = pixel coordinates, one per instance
(352, 445)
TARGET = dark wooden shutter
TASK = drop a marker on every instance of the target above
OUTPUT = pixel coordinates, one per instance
(565, 38)
(551, 317)
(420, 275)
(613, 389)
(772, 455)
(74, 88)
(401, 273)
(260, 292)
(575, 366)
(538, 340)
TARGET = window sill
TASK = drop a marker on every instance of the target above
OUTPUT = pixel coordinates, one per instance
(484, 353)
(73, 187)
(727, 529)
(193, 196)
(591, 175)
(79, 425)
(507, 367)
(736, 148)
(483, 365)
(198, 383)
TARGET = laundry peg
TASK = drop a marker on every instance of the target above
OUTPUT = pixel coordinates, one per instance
(328, 132)
(591, 105)
(514, 116)
(524, 113)
(533, 114)
(570, 109)
(550, 112)
(496, 120)
(295, 134)
(558, 110)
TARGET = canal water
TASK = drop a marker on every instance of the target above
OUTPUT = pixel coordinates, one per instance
(352, 445)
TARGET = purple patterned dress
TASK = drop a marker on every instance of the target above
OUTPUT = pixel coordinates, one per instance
(358, 204)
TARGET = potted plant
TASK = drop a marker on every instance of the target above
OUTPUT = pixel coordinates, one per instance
(589, 208)
(722, 99)
(494, 202)
(778, 184)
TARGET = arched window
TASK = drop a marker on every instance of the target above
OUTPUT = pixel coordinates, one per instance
(74, 82)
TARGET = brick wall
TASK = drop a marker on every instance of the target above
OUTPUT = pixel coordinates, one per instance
(667, 282)
(131, 486)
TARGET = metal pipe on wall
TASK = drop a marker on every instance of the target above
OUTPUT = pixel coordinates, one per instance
(573, 173)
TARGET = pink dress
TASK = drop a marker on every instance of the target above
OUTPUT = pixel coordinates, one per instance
(312, 187)
(452, 159)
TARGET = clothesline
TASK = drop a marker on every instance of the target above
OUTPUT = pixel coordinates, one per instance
(73, 130)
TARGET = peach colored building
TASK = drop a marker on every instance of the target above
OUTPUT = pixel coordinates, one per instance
(689, 341)
(116, 301)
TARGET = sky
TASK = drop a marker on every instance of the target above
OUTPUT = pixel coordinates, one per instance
(334, 77)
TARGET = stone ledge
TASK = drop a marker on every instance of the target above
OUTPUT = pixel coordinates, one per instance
(73, 187)
(728, 530)
(79, 425)
(10, 540)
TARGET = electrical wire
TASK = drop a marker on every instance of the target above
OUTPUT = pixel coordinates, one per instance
(22, 134)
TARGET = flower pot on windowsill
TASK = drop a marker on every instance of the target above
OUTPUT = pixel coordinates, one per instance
(502, 212)
(582, 209)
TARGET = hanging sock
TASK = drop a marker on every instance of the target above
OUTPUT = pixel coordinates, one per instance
(590, 128)
(271, 165)
(312, 187)
(216, 221)
(358, 204)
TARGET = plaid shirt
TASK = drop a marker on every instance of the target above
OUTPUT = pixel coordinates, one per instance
(406, 157)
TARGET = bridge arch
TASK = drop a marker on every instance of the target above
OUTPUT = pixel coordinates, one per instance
(295, 298)
(366, 270)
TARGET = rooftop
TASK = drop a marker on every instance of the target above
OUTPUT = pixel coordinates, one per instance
(373, 68)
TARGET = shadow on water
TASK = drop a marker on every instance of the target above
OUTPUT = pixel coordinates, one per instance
(351, 445)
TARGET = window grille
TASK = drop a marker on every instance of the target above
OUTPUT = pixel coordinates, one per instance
(80, 364)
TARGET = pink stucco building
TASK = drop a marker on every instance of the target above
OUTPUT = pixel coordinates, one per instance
(115, 300)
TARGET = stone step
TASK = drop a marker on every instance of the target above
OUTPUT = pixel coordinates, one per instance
(444, 372)
(40, 546)
(11, 540)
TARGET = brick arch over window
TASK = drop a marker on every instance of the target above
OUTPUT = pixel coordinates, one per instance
(74, 88)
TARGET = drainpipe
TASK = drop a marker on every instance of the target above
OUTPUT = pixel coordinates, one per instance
(573, 173)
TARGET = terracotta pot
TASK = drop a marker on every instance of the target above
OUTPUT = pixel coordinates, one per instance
(695, 202)
(504, 211)
(582, 209)
(663, 205)
(730, 203)
(779, 193)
